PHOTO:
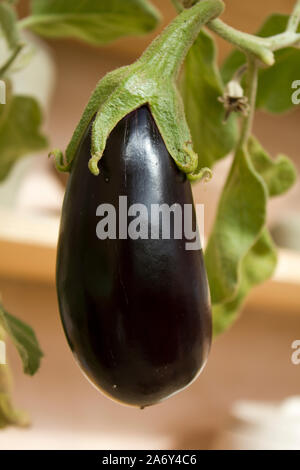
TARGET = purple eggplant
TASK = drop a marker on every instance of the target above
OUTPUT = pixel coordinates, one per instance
(136, 311)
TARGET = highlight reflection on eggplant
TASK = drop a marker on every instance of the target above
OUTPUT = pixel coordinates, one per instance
(136, 312)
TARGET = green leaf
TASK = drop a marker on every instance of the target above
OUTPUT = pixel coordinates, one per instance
(240, 219)
(275, 83)
(9, 415)
(94, 21)
(8, 25)
(20, 121)
(257, 267)
(260, 262)
(201, 86)
(279, 175)
(24, 339)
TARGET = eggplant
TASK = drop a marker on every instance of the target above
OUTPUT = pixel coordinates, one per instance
(136, 312)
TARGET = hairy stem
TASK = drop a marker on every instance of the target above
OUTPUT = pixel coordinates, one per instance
(280, 41)
(178, 37)
(262, 48)
(294, 19)
(247, 42)
(32, 20)
(251, 92)
(11, 60)
(178, 5)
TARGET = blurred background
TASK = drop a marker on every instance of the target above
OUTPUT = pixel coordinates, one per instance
(250, 362)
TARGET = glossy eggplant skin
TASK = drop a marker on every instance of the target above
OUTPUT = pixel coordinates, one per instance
(136, 313)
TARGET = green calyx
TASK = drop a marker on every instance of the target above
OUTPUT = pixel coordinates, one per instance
(151, 81)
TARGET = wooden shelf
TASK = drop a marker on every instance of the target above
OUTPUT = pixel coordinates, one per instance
(28, 246)
(28, 252)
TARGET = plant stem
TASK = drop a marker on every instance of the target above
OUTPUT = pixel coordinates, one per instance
(262, 48)
(247, 42)
(294, 19)
(178, 5)
(178, 37)
(11, 59)
(189, 3)
(184, 4)
(251, 92)
(239, 73)
(31, 20)
(280, 41)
